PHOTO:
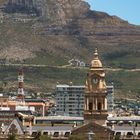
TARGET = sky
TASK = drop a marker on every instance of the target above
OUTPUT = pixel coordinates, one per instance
(126, 9)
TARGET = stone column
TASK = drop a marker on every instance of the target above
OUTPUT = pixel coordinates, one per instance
(102, 105)
(96, 103)
(43, 111)
(93, 104)
(105, 103)
(87, 103)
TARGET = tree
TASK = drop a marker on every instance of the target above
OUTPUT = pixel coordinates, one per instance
(117, 137)
(44, 137)
(76, 137)
(12, 137)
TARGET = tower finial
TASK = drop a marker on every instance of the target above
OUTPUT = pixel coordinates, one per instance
(96, 63)
(96, 50)
(96, 53)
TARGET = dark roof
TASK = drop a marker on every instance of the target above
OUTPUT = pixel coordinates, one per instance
(100, 131)
(16, 111)
(34, 100)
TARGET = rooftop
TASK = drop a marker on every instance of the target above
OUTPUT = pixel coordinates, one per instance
(50, 128)
(34, 100)
(124, 118)
(72, 86)
(60, 118)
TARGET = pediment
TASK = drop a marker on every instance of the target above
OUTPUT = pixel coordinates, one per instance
(14, 127)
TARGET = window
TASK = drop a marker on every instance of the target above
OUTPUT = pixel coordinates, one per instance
(45, 133)
(56, 134)
(34, 134)
(90, 106)
(129, 134)
(67, 134)
(118, 133)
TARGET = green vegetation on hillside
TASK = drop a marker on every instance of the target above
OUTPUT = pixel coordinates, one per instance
(25, 39)
(44, 79)
(124, 58)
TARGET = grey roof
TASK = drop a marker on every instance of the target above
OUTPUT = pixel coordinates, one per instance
(60, 118)
(126, 128)
(124, 118)
(51, 128)
(34, 100)
(72, 86)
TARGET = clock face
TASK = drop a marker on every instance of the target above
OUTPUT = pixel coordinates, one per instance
(95, 80)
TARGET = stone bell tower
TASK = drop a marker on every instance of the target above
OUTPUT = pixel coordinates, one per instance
(95, 91)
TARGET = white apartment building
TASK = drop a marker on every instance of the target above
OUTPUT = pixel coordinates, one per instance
(70, 99)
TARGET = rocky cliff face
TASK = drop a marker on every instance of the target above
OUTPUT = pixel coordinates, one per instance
(67, 28)
(51, 10)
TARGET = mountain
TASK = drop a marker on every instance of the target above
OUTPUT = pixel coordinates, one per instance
(40, 30)
(52, 32)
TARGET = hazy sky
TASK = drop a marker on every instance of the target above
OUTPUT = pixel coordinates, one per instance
(126, 9)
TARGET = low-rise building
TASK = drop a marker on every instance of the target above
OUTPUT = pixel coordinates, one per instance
(59, 127)
(6, 116)
(39, 106)
(125, 127)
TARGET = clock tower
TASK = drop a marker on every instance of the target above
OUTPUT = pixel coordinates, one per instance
(95, 91)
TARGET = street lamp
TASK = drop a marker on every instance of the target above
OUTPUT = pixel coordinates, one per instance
(91, 135)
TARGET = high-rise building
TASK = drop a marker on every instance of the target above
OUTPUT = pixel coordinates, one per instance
(110, 98)
(70, 100)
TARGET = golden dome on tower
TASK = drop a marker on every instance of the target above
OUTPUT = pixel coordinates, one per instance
(96, 63)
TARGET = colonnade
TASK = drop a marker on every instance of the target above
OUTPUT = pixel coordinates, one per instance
(95, 101)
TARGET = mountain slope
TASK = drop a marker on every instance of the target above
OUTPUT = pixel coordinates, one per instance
(68, 29)
(52, 32)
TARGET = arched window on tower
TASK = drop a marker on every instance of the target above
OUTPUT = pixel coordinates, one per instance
(90, 107)
(99, 107)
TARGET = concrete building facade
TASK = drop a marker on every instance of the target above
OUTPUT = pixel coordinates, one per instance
(125, 127)
(110, 98)
(70, 99)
